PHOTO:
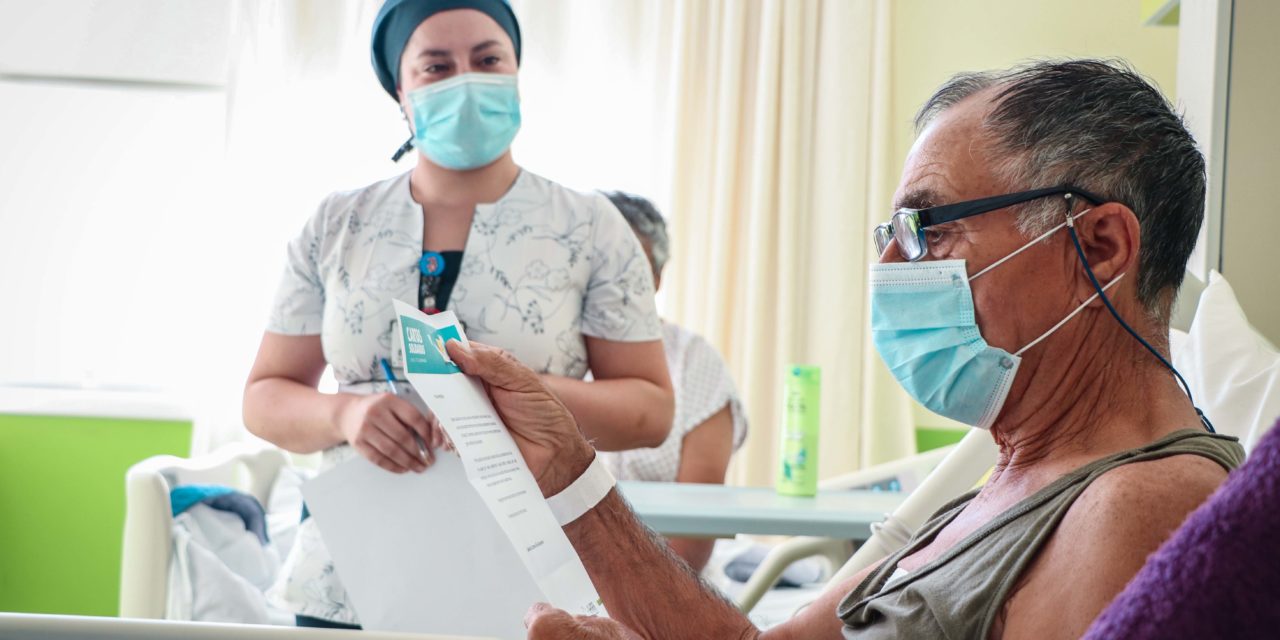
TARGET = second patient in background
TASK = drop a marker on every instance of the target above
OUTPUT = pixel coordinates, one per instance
(710, 423)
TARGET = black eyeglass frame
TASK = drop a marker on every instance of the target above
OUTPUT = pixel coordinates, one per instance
(909, 224)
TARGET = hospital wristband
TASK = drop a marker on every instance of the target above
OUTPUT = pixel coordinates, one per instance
(584, 493)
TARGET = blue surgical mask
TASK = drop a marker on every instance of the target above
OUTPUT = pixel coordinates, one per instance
(467, 121)
(923, 326)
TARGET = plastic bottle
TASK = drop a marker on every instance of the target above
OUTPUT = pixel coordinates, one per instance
(798, 471)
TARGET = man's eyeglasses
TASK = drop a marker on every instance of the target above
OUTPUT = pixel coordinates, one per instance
(907, 226)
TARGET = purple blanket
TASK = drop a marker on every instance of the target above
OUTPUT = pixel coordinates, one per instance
(1219, 575)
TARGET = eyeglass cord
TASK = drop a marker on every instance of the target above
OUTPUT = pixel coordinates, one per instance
(1071, 228)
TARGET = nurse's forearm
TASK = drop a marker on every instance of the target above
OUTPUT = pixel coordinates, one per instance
(618, 413)
(696, 552)
(293, 416)
(643, 585)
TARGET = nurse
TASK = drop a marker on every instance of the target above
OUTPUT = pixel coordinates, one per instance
(554, 276)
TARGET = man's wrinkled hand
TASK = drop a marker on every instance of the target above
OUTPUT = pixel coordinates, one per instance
(545, 622)
(541, 425)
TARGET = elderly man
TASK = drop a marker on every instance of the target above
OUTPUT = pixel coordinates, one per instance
(1027, 193)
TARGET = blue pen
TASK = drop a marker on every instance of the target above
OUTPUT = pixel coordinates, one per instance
(391, 380)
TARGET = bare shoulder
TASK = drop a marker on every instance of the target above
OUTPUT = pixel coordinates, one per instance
(1153, 496)
(1102, 541)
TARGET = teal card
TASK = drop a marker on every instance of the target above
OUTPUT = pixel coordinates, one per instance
(424, 347)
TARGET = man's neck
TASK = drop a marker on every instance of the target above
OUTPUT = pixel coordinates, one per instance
(435, 187)
(1082, 404)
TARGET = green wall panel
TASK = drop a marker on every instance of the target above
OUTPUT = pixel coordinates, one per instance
(929, 438)
(62, 507)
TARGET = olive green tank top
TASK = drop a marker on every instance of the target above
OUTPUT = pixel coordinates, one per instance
(959, 593)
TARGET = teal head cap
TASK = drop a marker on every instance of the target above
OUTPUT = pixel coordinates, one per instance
(398, 19)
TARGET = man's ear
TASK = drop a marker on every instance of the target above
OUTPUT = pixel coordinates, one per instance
(1111, 239)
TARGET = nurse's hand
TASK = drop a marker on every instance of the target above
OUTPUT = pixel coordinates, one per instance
(542, 427)
(547, 623)
(381, 427)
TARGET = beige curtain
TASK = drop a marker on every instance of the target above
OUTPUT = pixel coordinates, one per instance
(778, 160)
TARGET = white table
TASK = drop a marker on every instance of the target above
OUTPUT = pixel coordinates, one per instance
(708, 510)
(821, 525)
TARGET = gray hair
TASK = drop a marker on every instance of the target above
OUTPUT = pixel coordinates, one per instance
(647, 223)
(1100, 126)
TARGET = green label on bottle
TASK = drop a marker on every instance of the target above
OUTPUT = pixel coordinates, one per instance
(798, 471)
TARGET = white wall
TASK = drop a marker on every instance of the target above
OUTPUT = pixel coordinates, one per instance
(99, 189)
(112, 117)
(1204, 51)
(158, 41)
(1250, 206)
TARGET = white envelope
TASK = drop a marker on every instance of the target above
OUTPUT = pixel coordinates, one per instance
(421, 552)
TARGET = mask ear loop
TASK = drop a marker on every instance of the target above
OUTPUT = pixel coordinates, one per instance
(1071, 229)
(1026, 246)
(1068, 318)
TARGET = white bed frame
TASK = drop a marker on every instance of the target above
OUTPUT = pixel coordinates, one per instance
(29, 626)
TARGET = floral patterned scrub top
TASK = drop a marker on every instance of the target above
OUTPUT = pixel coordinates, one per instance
(543, 267)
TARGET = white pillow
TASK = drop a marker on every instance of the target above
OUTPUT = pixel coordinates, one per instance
(1233, 372)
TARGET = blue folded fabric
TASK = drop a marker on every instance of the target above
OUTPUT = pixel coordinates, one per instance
(188, 495)
(222, 498)
(800, 573)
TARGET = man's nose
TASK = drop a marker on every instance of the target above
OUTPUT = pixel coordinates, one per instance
(891, 253)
